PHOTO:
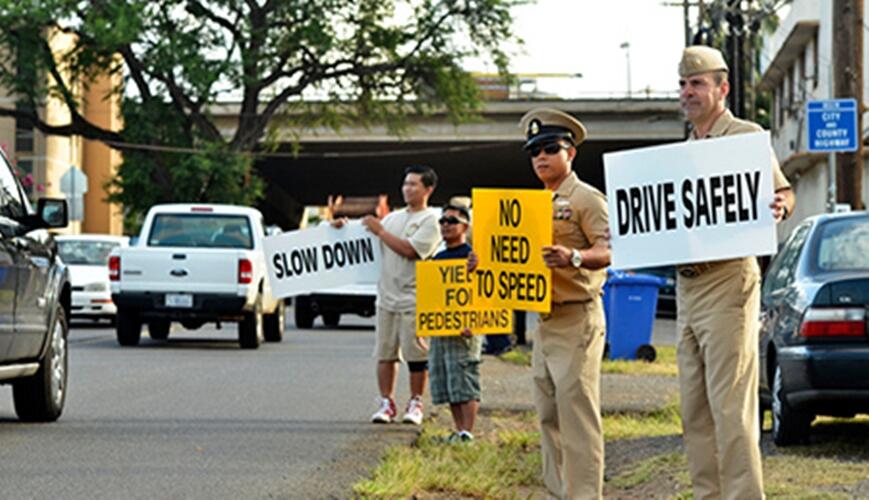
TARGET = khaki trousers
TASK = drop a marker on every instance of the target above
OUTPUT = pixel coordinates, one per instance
(568, 346)
(717, 329)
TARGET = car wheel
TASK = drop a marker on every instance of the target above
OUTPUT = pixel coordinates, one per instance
(159, 329)
(788, 425)
(276, 322)
(250, 328)
(128, 326)
(303, 313)
(331, 319)
(40, 398)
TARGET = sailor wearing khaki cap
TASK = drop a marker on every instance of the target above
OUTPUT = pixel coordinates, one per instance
(569, 342)
(717, 320)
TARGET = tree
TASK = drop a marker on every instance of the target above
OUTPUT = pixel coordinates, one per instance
(376, 59)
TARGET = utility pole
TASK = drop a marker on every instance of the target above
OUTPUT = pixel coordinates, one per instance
(848, 71)
(686, 12)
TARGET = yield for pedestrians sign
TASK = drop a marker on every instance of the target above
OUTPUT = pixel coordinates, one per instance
(832, 125)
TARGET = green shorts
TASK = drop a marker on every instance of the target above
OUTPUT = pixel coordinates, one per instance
(454, 369)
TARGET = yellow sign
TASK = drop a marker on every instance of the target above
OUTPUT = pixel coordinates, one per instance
(511, 227)
(445, 302)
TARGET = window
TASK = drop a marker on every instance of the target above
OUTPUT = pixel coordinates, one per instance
(780, 104)
(843, 245)
(783, 269)
(815, 65)
(208, 231)
(86, 252)
(11, 203)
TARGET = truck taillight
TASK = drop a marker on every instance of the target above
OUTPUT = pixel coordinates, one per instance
(245, 271)
(115, 268)
(834, 322)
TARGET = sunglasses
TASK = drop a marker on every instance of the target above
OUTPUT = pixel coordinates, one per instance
(550, 149)
(451, 220)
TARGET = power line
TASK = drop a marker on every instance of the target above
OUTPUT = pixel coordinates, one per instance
(327, 155)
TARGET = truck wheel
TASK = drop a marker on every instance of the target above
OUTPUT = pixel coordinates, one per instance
(250, 329)
(788, 425)
(303, 312)
(276, 322)
(331, 319)
(128, 327)
(40, 398)
(159, 329)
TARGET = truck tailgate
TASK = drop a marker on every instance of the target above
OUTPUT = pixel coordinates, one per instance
(180, 270)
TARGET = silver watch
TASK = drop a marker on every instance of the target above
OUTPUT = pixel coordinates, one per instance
(575, 258)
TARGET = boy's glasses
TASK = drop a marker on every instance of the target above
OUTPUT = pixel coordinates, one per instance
(550, 149)
(450, 220)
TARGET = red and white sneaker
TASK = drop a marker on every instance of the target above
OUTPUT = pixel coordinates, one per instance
(386, 413)
(414, 412)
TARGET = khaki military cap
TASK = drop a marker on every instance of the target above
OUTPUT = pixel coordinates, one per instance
(701, 59)
(547, 124)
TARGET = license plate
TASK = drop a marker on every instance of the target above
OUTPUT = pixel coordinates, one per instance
(179, 300)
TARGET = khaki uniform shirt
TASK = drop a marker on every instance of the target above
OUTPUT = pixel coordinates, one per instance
(727, 124)
(579, 220)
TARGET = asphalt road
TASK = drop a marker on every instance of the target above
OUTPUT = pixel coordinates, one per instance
(199, 418)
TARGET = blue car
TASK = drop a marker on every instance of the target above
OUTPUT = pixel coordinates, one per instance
(814, 341)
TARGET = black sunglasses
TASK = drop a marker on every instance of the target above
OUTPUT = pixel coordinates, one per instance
(451, 220)
(550, 149)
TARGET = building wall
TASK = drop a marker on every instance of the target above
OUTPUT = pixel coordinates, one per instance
(808, 77)
(50, 157)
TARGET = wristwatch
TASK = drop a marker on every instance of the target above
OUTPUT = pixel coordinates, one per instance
(575, 258)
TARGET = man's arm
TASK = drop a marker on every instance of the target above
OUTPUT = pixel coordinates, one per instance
(400, 246)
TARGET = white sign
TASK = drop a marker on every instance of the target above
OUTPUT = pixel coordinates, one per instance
(689, 202)
(321, 257)
(74, 184)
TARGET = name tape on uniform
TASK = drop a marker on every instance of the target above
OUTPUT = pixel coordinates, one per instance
(449, 302)
(695, 201)
(321, 257)
(511, 227)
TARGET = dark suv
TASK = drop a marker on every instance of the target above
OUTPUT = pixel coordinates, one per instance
(34, 302)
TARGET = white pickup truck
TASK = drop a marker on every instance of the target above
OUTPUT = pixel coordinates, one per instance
(196, 263)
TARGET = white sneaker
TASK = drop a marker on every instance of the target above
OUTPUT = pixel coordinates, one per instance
(386, 413)
(414, 412)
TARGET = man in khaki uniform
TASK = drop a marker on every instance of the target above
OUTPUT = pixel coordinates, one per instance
(717, 325)
(569, 342)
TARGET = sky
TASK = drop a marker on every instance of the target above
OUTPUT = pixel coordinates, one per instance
(585, 36)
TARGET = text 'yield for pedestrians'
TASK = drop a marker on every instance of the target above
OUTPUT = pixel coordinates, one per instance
(511, 227)
(447, 302)
(693, 201)
(832, 125)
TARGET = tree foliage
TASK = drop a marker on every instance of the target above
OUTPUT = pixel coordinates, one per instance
(377, 59)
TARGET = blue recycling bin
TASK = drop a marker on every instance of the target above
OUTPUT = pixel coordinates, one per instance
(629, 303)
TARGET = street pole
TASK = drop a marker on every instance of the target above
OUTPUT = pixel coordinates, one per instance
(627, 47)
(848, 71)
(686, 13)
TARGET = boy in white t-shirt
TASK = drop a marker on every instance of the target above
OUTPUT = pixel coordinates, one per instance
(407, 235)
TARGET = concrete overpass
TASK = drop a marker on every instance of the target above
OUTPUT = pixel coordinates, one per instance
(359, 161)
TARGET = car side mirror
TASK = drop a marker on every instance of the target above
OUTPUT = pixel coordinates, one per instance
(52, 212)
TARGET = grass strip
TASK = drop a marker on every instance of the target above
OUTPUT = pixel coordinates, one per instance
(490, 467)
(664, 364)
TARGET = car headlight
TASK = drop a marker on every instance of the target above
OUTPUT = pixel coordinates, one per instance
(96, 287)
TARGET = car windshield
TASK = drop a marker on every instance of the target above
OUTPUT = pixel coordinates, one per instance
(86, 252)
(844, 245)
(200, 230)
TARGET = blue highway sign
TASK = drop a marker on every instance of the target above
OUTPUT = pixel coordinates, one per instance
(832, 125)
